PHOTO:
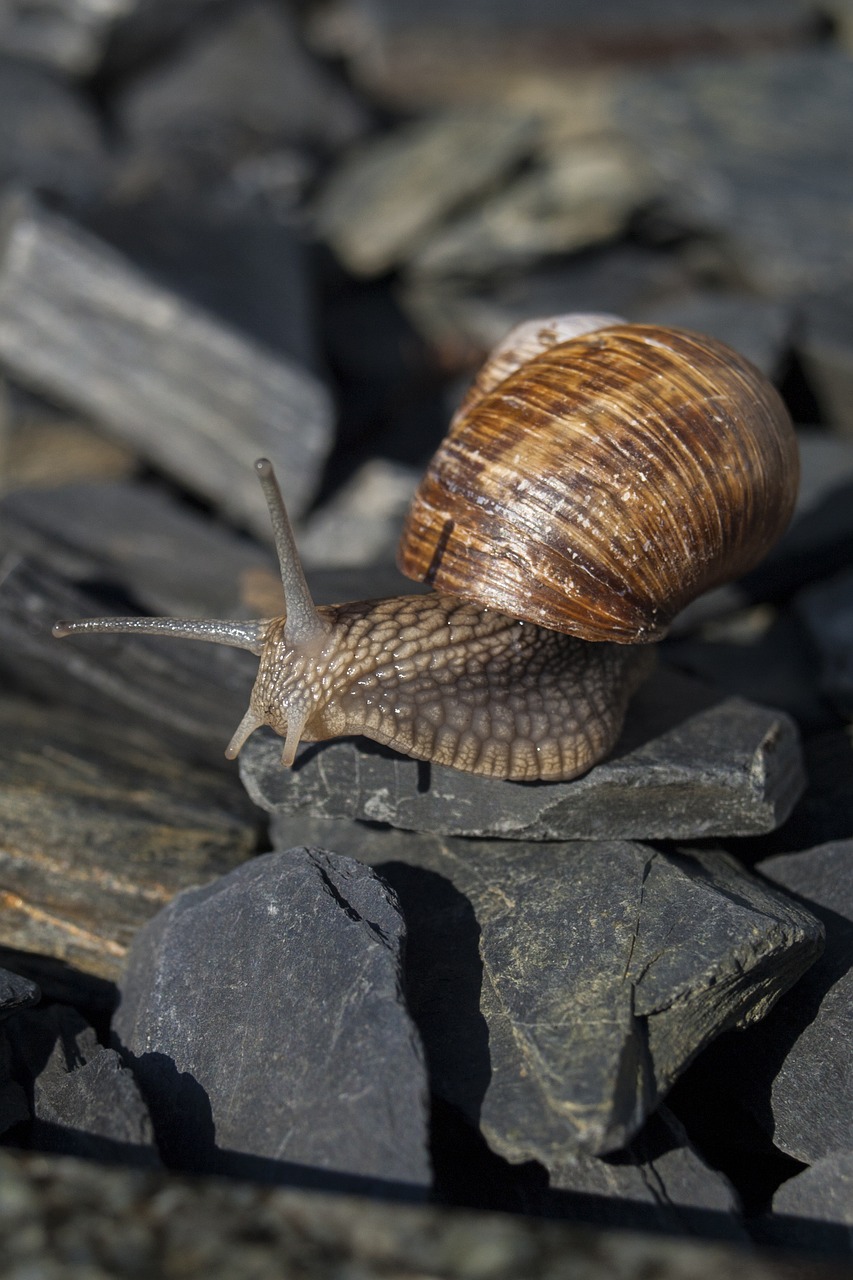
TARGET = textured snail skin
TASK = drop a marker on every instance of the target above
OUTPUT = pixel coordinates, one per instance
(442, 680)
(624, 471)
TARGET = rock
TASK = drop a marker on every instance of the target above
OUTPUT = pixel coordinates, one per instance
(239, 87)
(95, 1111)
(385, 198)
(192, 396)
(659, 1181)
(169, 558)
(51, 139)
(149, 683)
(577, 193)
(690, 763)
(415, 54)
(55, 449)
(361, 524)
(265, 1022)
(100, 829)
(758, 328)
(16, 993)
(814, 1210)
(68, 35)
(53, 1212)
(603, 968)
(825, 347)
(797, 1072)
(779, 192)
(827, 611)
(825, 810)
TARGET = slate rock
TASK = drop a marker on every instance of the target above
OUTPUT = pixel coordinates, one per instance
(814, 1209)
(16, 993)
(779, 192)
(55, 1212)
(824, 344)
(758, 328)
(99, 828)
(414, 54)
(14, 1106)
(154, 685)
(799, 1078)
(96, 1112)
(689, 763)
(265, 1022)
(611, 964)
(79, 323)
(385, 197)
(238, 86)
(51, 139)
(827, 612)
(68, 35)
(825, 810)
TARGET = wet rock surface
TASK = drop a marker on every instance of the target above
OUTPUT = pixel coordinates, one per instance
(297, 230)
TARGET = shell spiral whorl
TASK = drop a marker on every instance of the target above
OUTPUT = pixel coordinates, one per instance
(623, 472)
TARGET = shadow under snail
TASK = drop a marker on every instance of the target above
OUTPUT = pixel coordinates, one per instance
(597, 477)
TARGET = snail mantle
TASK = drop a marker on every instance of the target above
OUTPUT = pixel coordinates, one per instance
(689, 764)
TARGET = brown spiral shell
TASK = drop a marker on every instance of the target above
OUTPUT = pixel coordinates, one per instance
(605, 483)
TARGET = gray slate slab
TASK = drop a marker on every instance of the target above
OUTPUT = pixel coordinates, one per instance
(154, 684)
(800, 1076)
(266, 1024)
(826, 609)
(50, 139)
(68, 35)
(99, 828)
(561, 988)
(814, 1209)
(95, 1111)
(16, 993)
(689, 763)
(79, 323)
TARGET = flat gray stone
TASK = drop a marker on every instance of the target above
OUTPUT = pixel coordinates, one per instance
(194, 397)
(265, 1021)
(800, 1074)
(825, 347)
(68, 35)
(387, 196)
(826, 609)
(16, 993)
(95, 1111)
(779, 192)
(689, 763)
(814, 1209)
(603, 969)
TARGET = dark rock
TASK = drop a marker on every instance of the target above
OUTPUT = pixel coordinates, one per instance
(55, 1212)
(825, 346)
(604, 969)
(50, 139)
(68, 35)
(756, 327)
(798, 1073)
(384, 198)
(825, 810)
(814, 1210)
(412, 53)
(14, 1107)
(100, 828)
(265, 1022)
(778, 192)
(96, 1112)
(241, 86)
(149, 683)
(167, 557)
(689, 763)
(81, 324)
(658, 1180)
(827, 612)
(16, 993)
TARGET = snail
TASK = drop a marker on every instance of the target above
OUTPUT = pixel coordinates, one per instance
(597, 477)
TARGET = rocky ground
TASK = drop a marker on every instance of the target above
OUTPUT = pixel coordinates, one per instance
(242, 229)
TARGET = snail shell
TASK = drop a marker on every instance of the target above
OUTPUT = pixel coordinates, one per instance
(600, 484)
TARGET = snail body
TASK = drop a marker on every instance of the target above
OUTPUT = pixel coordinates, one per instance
(493, 679)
